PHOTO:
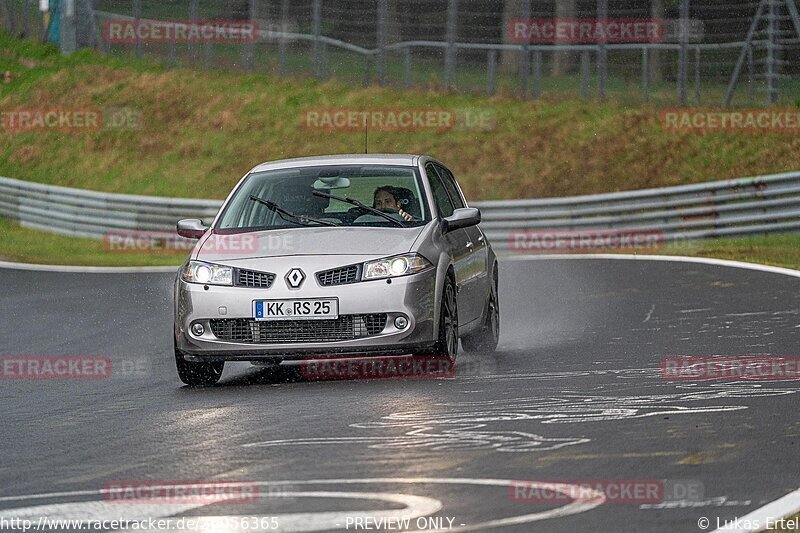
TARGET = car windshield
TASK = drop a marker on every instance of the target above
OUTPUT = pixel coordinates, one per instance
(285, 198)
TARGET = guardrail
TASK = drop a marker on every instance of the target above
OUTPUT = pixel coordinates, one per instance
(745, 206)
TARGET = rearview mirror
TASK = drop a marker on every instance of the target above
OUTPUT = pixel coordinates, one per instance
(462, 218)
(191, 228)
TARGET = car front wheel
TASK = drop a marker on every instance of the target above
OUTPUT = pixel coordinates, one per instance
(198, 374)
(446, 345)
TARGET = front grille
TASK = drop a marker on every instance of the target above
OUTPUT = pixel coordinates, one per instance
(346, 327)
(251, 278)
(339, 276)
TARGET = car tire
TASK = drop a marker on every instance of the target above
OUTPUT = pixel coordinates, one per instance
(485, 339)
(446, 345)
(198, 374)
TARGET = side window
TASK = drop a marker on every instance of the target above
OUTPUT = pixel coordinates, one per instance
(452, 188)
(440, 196)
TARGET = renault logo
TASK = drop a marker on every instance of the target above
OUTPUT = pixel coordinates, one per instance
(295, 278)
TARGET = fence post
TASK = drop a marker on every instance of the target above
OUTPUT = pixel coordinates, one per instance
(42, 26)
(772, 89)
(525, 59)
(491, 73)
(137, 15)
(750, 72)
(208, 50)
(383, 7)
(697, 75)
(316, 27)
(585, 66)
(68, 29)
(284, 42)
(645, 74)
(193, 17)
(12, 17)
(323, 60)
(602, 53)
(407, 67)
(367, 70)
(249, 48)
(683, 57)
(537, 73)
(25, 17)
(450, 52)
(94, 29)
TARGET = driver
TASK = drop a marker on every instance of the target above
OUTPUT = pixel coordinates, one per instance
(385, 198)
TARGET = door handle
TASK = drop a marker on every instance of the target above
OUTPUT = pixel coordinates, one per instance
(470, 245)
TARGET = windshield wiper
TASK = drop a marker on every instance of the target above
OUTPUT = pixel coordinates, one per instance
(297, 218)
(361, 205)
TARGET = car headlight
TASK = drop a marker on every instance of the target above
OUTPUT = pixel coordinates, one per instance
(391, 267)
(207, 273)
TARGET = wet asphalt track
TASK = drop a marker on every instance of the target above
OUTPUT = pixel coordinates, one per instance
(573, 393)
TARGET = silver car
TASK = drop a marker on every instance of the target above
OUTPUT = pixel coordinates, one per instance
(336, 256)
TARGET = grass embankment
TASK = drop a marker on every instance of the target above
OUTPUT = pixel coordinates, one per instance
(201, 130)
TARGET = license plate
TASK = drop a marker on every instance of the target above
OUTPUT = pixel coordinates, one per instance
(304, 309)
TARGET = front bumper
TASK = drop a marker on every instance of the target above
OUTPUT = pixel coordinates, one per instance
(412, 296)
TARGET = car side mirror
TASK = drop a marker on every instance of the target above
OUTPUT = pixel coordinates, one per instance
(462, 218)
(191, 228)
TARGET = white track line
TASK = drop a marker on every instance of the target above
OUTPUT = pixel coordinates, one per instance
(87, 269)
(673, 258)
(757, 520)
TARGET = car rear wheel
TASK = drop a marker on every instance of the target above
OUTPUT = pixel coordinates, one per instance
(485, 339)
(198, 374)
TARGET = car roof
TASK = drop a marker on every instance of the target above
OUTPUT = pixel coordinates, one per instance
(406, 160)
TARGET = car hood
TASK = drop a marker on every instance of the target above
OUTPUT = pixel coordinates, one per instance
(376, 242)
